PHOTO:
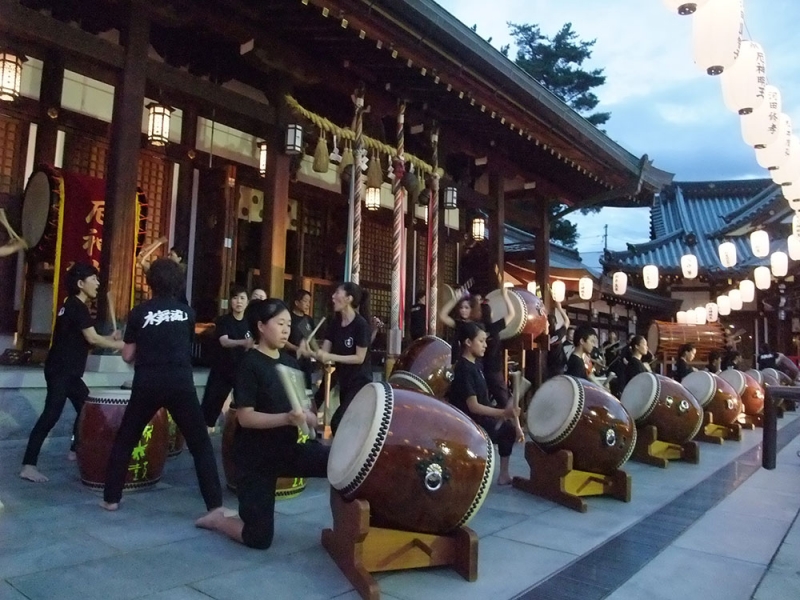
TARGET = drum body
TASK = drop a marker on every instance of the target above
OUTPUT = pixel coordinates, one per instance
(422, 465)
(784, 364)
(715, 395)
(530, 315)
(665, 337)
(770, 377)
(749, 390)
(779, 377)
(757, 375)
(425, 366)
(176, 439)
(567, 413)
(40, 205)
(287, 487)
(653, 399)
(98, 425)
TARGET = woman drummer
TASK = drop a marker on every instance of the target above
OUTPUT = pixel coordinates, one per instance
(637, 351)
(265, 442)
(470, 394)
(579, 363)
(467, 309)
(493, 363)
(686, 354)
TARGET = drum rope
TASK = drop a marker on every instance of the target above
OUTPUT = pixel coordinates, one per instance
(358, 173)
(397, 241)
(433, 234)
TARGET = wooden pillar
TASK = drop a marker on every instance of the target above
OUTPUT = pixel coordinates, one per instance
(49, 107)
(119, 228)
(497, 222)
(276, 216)
(542, 257)
(183, 208)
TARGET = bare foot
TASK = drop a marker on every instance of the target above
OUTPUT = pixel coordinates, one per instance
(504, 480)
(31, 473)
(211, 519)
(109, 505)
(71, 456)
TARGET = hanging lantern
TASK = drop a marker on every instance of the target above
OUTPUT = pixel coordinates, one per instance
(650, 276)
(294, 139)
(700, 315)
(689, 266)
(479, 227)
(532, 287)
(10, 74)
(748, 290)
(759, 243)
(372, 198)
(776, 153)
(759, 127)
(684, 7)
(585, 287)
(727, 254)
(763, 277)
(796, 224)
(712, 312)
(158, 123)
(744, 82)
(724, 305)
(558, 290)
(619, 283)
(779, 264)
(789, 171)
(262, 158)
(691, 317)
(717, 34)
(681, 317)
(735, 297)
(450, 198)
(791, 191)
(793, 243)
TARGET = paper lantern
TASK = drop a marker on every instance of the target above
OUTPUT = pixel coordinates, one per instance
(684, 7)
(775, 154)
(717, 34)
(619, 283)
(372, 198)
(735, 297)
(724, 305)
(789, 171)
(532, 287)
(796, 224)
(791, 192)
(744, 82)
(759, 243)
(689, 266)
(450, 198)
(585, 287)
(759, 128)
(712, 312)
(10, 74)
(158, 123)
(779, 264)
(691, 317)
(727, 254)
(748, 290)
(294, 139)
(262, 158)
(681, 317)
(793, 243)
(650, 276)
(700, 315)
(763, 277)
(558, 290)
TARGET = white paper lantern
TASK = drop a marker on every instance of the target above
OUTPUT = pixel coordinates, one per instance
(796, 224)
(558, 290)
(748, 290)
(712, 312)
(789, 171)
(689, 266)
(776, 153)
(791, 191)
(691, 317)
(763, 277)
(619, 283)
(724, 305)
(585, 287)
(759, 128)
(744, 82)
(10, 74)
(717, 34)
(681, 317)
(700, 315)
(759, 243)
(650, 276)
(735, 297)
(532, 287)
(727, 254)
(779, 264)
(793, 243)
(684, 7)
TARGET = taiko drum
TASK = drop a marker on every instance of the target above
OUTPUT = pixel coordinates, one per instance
(530, 316)
(425, 366)
(749, 390)
(665, 337)
(715, 395)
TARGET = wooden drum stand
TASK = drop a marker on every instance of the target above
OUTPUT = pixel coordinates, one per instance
(716, 434)
(652, 451)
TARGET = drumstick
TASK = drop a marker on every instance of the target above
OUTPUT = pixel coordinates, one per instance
(291, 379)
(147, 251)
(4, 220)
(310, 336)
(111, 310)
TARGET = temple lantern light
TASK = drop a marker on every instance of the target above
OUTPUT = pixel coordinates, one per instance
(689, 266)
(294, 139)
(585, 287)
(776, 153)
(450, 198)
(717, 34)
(158, 117)
(744, 82)
(532, 287)
(727, 254)
(779, 264)
(681, 317)
(558, 290)
(758, 128)
(650, 276)
(619, 283)
(691, 317)
(262, 158)
(763, 277)
(712, 312)
(793, 243)
(789, 171)
(736, 299)
(479, 227)
(10, 74)
(748, 290)
(700, 315)
(684, 7)
(372, 198)
(724, 305)
(759, 243)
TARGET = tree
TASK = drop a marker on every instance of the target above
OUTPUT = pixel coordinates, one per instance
(555, 62)
(563, 231)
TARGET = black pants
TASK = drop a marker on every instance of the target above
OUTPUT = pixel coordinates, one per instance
(503, 433)
(256, 487)
(218, 386)
(498, 389)
(183, 406)
(346, 395)
(59, 388)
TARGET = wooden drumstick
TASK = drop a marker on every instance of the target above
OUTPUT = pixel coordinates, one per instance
(112, 313)
(328, 369)
(148, 250)
(291, 380)
(4, 220)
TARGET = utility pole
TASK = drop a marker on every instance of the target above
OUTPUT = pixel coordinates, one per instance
(605, 237)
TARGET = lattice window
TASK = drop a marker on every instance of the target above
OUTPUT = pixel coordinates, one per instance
(9, 153)
(448, 261)
(422, 261)
(380, 303)
(86, 156)
(154, 173)
(376, 252)
(314, 252)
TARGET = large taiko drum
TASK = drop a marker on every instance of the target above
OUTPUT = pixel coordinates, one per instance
(770, 377)
(665, 337)
(749, 390)
(715, 395)
(421, 464)
(757, 375)
(286, 487)
(98, 425)
(567, 413)
(41, 202)
(776, 377)
(530, 315)
(653, 399)
(785, 365)
(425, 366)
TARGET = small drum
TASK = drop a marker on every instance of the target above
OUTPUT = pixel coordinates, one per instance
(176, 440)
(749, 390)
(422, 465)
(779, 377)
(785, 365)
(715, 395)
(530, 316)
(287, 487)
(567, 413)
(98, 425)
(425, 366)
(40, 205)
(657, 400)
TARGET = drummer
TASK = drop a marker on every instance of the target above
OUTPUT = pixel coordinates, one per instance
(686, 354)
(265, 442)
(74, 334)
(467, 309)
(557, 325)
(731, 359)
(257, 294)
(302, 326)
(493, 364)
(12, 247)
(579, 363)
(767, 359)
(634, 365)
(714, 362)
(417, 317)
(470, 394)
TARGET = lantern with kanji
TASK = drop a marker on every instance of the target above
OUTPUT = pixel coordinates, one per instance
(559, 290)
(717, 34)
(712, 312)
(619, 283)
(759, 127)
(585, 287)
(650, 276)
(744, 82)
(759, 243)
(689, 266)
(727, 254)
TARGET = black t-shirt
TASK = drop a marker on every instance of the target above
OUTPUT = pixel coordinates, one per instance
(258, 386)
(682, 369)
(163, 330)
(767, 361)
(68, 353)
(302, 326)
(556, 359)
(344, 341)
(459, 325)
(468, 381)
(416, 320)
(576, 366)
(633, 368)
(227, 359)
(493, 357)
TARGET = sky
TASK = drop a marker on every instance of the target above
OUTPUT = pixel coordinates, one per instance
(661, 104)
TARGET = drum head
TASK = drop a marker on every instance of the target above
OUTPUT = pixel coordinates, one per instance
(735, 378)
(640, 395)
(499, 311)
(360, 437)
(702, 385)
(36, 208)
(755, 374)
(554, 409)
(109, 396)
(410, 381)
(652, 338)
